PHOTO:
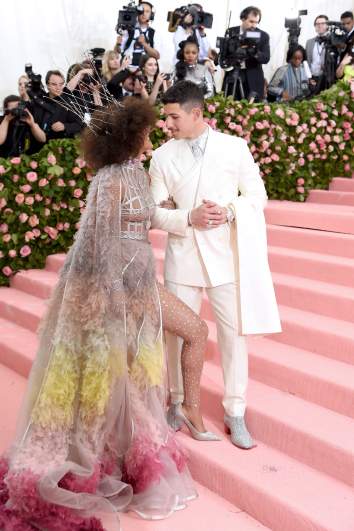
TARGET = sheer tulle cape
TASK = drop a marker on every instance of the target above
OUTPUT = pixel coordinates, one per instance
(92, 434)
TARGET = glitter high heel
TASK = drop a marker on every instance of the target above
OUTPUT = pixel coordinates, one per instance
(197, 435)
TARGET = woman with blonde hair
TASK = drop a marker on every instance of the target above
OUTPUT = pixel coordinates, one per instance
(113, 63)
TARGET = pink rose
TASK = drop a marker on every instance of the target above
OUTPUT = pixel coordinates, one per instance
(31, 176)
(19, 198)
(76, 170)
(26, 188)
(227, 119)
(15, 178)
(336, 139)
(160, 124)
(2, 169)
(33, 164)
(291, 150)
(29, 200)
(300, 181)
(267, 160)
(23, 217)
(60, 182)
(3, 202)
(347, 168)
(275, 157)
(6, 238)
(36, 232)
(211, 108)
(38, 197)
(77, 193)
(266, 109)
(72, 183)
(309, 157)
(15, 160)
(51, 159)
(7, 271)
(66, 225)
(60, 225)
(25, 251)
(4, 227)
(279, 112)
(259, 125)
(46, 212)
(252, 111)
(213, 123)
(33, 221)
(342, 146)
(29, 235)
(300, 189)
(80, 162)
(43, 182)
(12, 253)
(52, 232)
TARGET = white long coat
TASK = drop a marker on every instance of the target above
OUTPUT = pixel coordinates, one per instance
(230, 177)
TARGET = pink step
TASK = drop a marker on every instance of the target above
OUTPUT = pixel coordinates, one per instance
(342, 184)
(12, 388)
(317, 333)
(328, 383)
(275, 489)
(325, 268)
(315, 241)
(21, 308)
(37, 282)
(209, 512)
(334, 218)
(331, 197)
(307, 432)
(323, 298)
(18, 347)
(55, 262)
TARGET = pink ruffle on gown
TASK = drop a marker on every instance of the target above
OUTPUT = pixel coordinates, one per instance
(92, 435)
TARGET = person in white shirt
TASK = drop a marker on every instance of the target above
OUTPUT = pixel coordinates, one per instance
(187, 28)
(316, 52)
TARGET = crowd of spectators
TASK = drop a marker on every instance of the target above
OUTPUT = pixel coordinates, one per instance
(61, 106)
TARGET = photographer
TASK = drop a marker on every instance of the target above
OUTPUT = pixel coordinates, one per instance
(316, 51)
(290, 82)
(18, 129)
(58, 121)
(139, 40)
(245, 49)
(128, 83)
(156, 82)
(347, 21)
(84, 88)
(186, 27)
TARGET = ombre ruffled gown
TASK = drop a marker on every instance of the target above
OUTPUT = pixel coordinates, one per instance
(92, 434)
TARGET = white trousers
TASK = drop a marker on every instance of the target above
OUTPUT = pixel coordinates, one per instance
(233, 348)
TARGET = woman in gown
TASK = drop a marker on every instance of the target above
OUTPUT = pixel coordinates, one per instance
(92, 435)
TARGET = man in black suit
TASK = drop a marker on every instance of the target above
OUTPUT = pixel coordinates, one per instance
(347, 20)
(244, 55)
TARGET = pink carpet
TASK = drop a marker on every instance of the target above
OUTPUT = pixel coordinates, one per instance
(300, 477)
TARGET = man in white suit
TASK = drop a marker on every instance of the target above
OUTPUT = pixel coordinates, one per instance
(216, 242)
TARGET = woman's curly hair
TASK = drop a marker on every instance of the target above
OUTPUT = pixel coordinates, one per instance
(117, 132)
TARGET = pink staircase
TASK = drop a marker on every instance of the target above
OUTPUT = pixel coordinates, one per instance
(300, 477)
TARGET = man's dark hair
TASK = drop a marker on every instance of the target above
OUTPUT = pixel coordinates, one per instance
(320, 16)
(53, 73)
(296, 48)
(186, 93)
(347, 14)
(250, 10)
(10, 99)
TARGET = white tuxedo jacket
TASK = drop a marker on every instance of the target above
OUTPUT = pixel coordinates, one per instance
(229, 176)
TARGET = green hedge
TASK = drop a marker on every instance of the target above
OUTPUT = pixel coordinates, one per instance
(298, 147)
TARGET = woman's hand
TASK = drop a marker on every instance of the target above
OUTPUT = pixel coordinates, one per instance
(168, 203)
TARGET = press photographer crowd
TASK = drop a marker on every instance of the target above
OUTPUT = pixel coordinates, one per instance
(59, 106)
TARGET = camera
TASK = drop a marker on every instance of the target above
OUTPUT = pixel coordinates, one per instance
(293, 25)
(200, 17)
(95, 59)
(235, 48)
(128, 16)
(18, 112)
(34, 86)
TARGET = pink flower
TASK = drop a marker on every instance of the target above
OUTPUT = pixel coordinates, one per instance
(275, 157)
(160, 124)
(80, 162)
(77, 193)
(1, 186)
(36, 232)
(76, 170)
(2, 169)
(38, 197)
(60, 182)
(266, 109)
(15, 160)
(51, 159)
(43, 182)
(33, 164)
(279, 112)
(227, 119)
(259, 125)
(19, 199)
(347, 168)
(291, 150)
(29, 235)
(344, 109)
(31, 176)
(7, 271)
(213, 123)
(72, 182)
(46, 212)
(252, 111)
(336, 139)
(60, 225)
(6, 238)
(15, 178)
(66, 225)
(29, 200)
(211, 108)
(4, 227)
(300, 189)
(300, 181)
(3, 202)
(342, 146)
(23, 217)
(25, 251)
(26, 188)
(12, 253)
(52, 232)
(310, 157)
(33, 221)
